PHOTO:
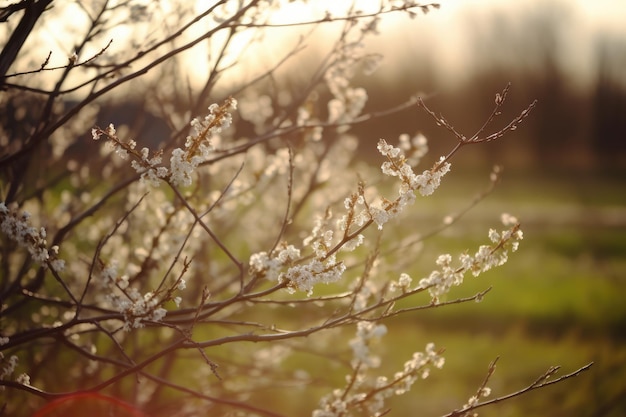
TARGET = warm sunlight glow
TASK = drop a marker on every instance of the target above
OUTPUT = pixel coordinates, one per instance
(443, 34)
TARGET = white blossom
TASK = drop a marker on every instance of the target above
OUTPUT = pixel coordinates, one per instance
(16, 226)
(430, 180)
(305, 277)
(440, 280)
(366, 331)
(8, 367)
(23, 379)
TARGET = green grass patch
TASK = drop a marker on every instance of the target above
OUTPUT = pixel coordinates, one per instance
(559, 300)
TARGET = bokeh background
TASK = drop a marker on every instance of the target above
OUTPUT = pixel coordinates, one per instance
(561, 299)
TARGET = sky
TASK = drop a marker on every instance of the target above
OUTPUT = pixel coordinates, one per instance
(444, 31)
(449, 32)
(587, 17)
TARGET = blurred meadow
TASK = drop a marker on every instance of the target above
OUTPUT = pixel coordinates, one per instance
(561, 299)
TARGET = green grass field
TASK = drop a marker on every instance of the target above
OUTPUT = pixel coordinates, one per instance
(560, 300)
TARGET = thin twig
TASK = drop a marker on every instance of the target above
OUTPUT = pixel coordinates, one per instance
(542, 381)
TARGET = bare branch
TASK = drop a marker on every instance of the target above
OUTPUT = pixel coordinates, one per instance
(542, 381)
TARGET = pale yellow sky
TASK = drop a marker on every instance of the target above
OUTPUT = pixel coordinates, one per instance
(444, 30)
(448, 30)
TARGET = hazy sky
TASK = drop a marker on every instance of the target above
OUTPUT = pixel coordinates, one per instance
(450, 33)
(447, 32)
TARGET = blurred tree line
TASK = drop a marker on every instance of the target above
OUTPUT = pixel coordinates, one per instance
(578, 124)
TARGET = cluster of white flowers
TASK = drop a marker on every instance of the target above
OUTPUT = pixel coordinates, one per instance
(446, 275)
(365, 292)
(23, 379)
(322, 240)
(348, 105)
(148, 166)
(198, 145)
(298, 277)
(323, 268)
(321, 237)
(340, 402)
(317, 271)
(429, 180)
(16, 226)
(366, 331)
(354, 218)
(417, 367)
(364, 396)
(183, 162)
(347, 102)
(8, 366)
(414, 148)
(403, 283)
(262, 264)
(136, 308)
(397, 166)
(474, 399)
